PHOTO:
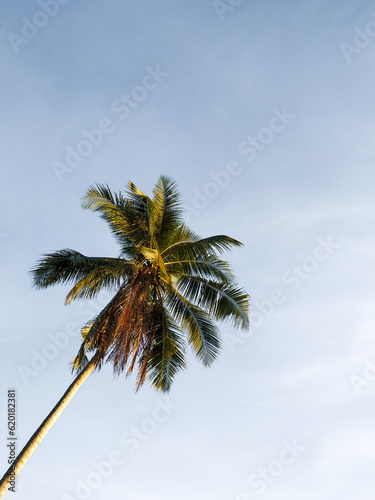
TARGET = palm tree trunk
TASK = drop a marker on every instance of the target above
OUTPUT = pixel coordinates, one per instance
(45, 426)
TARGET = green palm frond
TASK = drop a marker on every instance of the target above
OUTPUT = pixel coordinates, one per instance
(140, 214)
(67, 266)
(168, 211)
(112, 208)
(108, 276)
(182, 233)
(167, 356)
(221, 300)
(201, 248)
(203, 335)
(210, 268)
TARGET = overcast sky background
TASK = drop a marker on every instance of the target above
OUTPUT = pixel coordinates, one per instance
(305, 374)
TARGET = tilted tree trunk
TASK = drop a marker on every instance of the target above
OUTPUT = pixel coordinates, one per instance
(45, 426)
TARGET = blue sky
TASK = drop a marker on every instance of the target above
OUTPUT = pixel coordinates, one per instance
(263, 114)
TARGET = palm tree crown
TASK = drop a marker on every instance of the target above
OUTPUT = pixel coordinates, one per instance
(168, 282)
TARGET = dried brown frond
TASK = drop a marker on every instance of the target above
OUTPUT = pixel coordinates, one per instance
(126, 332)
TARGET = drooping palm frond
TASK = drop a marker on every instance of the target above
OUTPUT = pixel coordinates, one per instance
(123, 332)
(221, 300)
(167, 355)
(202, 247)
(135, 321)
(67, 266)
(109, 276)
(203, 335)
(210, 268)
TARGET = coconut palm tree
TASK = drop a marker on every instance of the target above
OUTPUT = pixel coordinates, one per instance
(168, 285)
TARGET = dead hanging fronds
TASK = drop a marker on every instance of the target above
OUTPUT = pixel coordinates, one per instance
(127, 330)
